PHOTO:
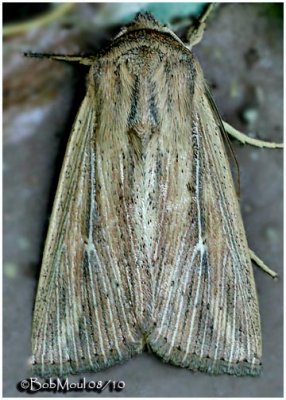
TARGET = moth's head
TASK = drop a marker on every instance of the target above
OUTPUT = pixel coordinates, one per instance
(146, 21)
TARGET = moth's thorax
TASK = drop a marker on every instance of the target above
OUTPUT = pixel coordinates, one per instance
(144, 78)
(150, 41)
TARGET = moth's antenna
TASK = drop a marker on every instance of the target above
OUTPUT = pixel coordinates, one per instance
(81, 59)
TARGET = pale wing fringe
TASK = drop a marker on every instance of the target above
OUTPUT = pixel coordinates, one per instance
(83, 318)
(262, 265)
(241, 137)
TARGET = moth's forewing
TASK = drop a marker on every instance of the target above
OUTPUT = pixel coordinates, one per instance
(83, 318)
(209, 318)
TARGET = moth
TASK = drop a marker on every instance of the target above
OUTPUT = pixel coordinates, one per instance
(146, 243)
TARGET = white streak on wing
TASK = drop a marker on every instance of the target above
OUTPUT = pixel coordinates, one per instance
(233, 319)
(44, 345)
(246, 321)
(119, 289)
(131, 237)
(109, 305)
(64, 338)
(219, 314)
(195, 252)
(164, 272)
(163, 204)
(90, 248)
(114, 266)
(200, 245)
(71, 323)
(166, 252)
(228, 333)
(206, 321)
(48, 296)
(145, 217)
(84, 289)
(100, 171)
(164, 191)
(60, 336)
(198, 248)
(87, 341)
(52, 260)
(74, 320)
(58, 330)
(171, 291)
(238, 262)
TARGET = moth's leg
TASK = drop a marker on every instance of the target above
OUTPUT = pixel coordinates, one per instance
(85, 60)
(261, 264)
(241, 137)
(196, 31)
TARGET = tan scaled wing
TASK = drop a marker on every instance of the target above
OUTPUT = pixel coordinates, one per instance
(205, 305)
(83, 318)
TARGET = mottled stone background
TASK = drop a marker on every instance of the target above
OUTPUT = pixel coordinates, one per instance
(241, 55)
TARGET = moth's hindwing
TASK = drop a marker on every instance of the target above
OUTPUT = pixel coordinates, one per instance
(146, 242)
